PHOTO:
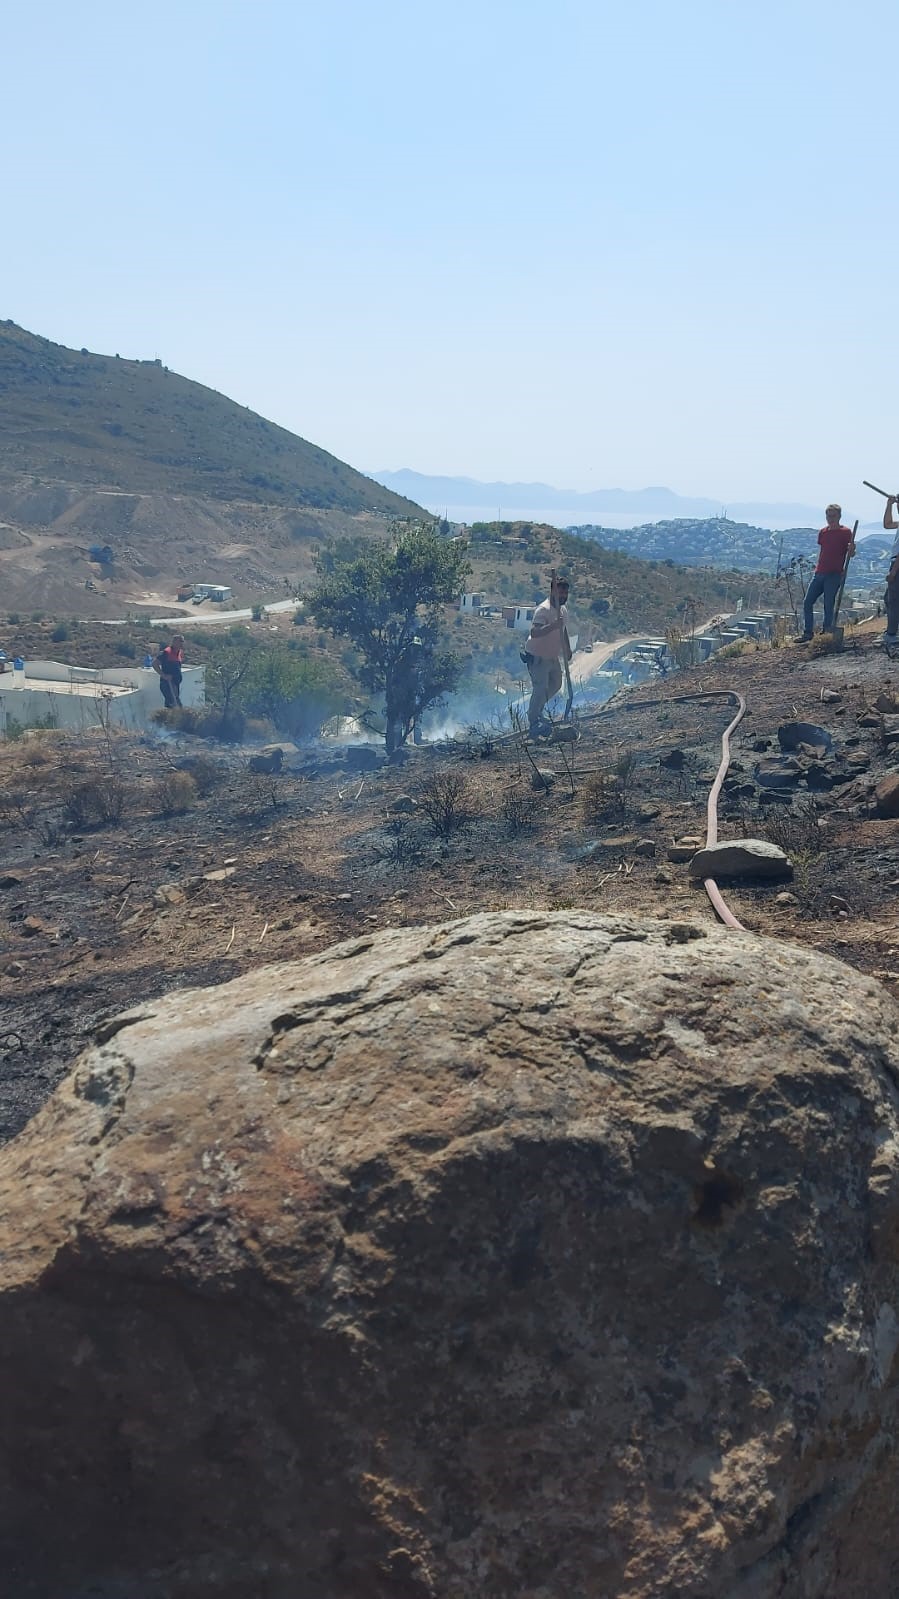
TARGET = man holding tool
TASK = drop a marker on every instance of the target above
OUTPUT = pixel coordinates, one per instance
(547, 646)
(891, 636)
(836, 548)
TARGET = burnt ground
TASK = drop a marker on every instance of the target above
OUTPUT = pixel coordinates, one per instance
(96, 916)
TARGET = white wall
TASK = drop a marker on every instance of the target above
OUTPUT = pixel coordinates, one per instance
(82, 711)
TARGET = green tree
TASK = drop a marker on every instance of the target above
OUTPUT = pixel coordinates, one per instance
(387, 599)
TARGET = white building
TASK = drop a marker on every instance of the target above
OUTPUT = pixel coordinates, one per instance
(471, 603)
(78, 697)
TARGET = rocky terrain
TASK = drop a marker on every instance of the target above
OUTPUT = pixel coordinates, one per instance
(98, 913)
(537, 1253)
(545, 1252)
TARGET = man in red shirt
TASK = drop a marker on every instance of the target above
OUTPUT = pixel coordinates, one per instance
(835, 543)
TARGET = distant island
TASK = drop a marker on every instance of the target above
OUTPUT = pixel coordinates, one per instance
(466, 499)
(531, 501)
(738, 546)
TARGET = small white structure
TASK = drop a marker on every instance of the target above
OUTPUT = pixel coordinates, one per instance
(78, 697)
(213, 591)
(521, 618)
(471, 603)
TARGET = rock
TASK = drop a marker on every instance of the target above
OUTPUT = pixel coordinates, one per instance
(818, 777)
(778, 771)
(675, 759)
(838, 903)
(683, 849)
(785, 898)
(886, 796)
(11, 879)
(32, 925)
(760, 744)
(776, 796)
(869, 718)
(268, 764)
(648, 812)
(791, 734)
(365, 757)
(543, 778)
(663, 875)
(403, 805)
(888, 701)
(831, 696)
(220, 875)
(812, 752)
(564, 733)
(537, 1254)
(645, 846)
(169, 894)
(13, 969)
(742, 857)
(889, 727)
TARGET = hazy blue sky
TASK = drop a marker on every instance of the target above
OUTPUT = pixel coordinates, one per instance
(587, 242)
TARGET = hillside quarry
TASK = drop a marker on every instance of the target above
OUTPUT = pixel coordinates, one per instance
(176, 478)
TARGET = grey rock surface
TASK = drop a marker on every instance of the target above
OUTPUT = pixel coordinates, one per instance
(532, 1256)
(742, 857)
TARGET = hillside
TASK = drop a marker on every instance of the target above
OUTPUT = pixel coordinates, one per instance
(180, 482)
(738, 546)
(96, 420)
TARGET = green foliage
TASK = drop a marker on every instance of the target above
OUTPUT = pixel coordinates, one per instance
(280, 684)
(60, 633)
(387, 599)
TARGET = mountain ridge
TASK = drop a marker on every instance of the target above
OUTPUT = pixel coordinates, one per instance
(654, 500)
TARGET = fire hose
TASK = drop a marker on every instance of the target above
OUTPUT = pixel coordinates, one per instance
(721, 909)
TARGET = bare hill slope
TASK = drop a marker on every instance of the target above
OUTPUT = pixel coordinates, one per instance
(179, 481)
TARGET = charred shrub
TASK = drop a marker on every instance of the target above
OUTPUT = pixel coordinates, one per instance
(174, 794)
(207, 775)
(443, 797)
(594, 798)
(517, 809)
(96, 801)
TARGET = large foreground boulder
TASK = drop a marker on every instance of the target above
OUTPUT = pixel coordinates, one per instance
(536, 1256)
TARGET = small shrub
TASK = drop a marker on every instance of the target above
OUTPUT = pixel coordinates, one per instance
(594, 798)
(796, 830)
(207, 775)
(256, 613)
(174, 794)
(181, 719)
(126, 648)
(97, 801)
(517, 810)
(626, 773)
(404, 843)
(14, 619)
(60, 633)
(442, 797)
(37, 616)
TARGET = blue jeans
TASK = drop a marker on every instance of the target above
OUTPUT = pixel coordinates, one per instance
(828, 584)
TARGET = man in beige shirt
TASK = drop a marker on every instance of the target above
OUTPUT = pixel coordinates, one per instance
(546, 646)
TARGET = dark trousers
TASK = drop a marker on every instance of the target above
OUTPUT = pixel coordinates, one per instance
(892, 602)
(170, 691)
(828, 584)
